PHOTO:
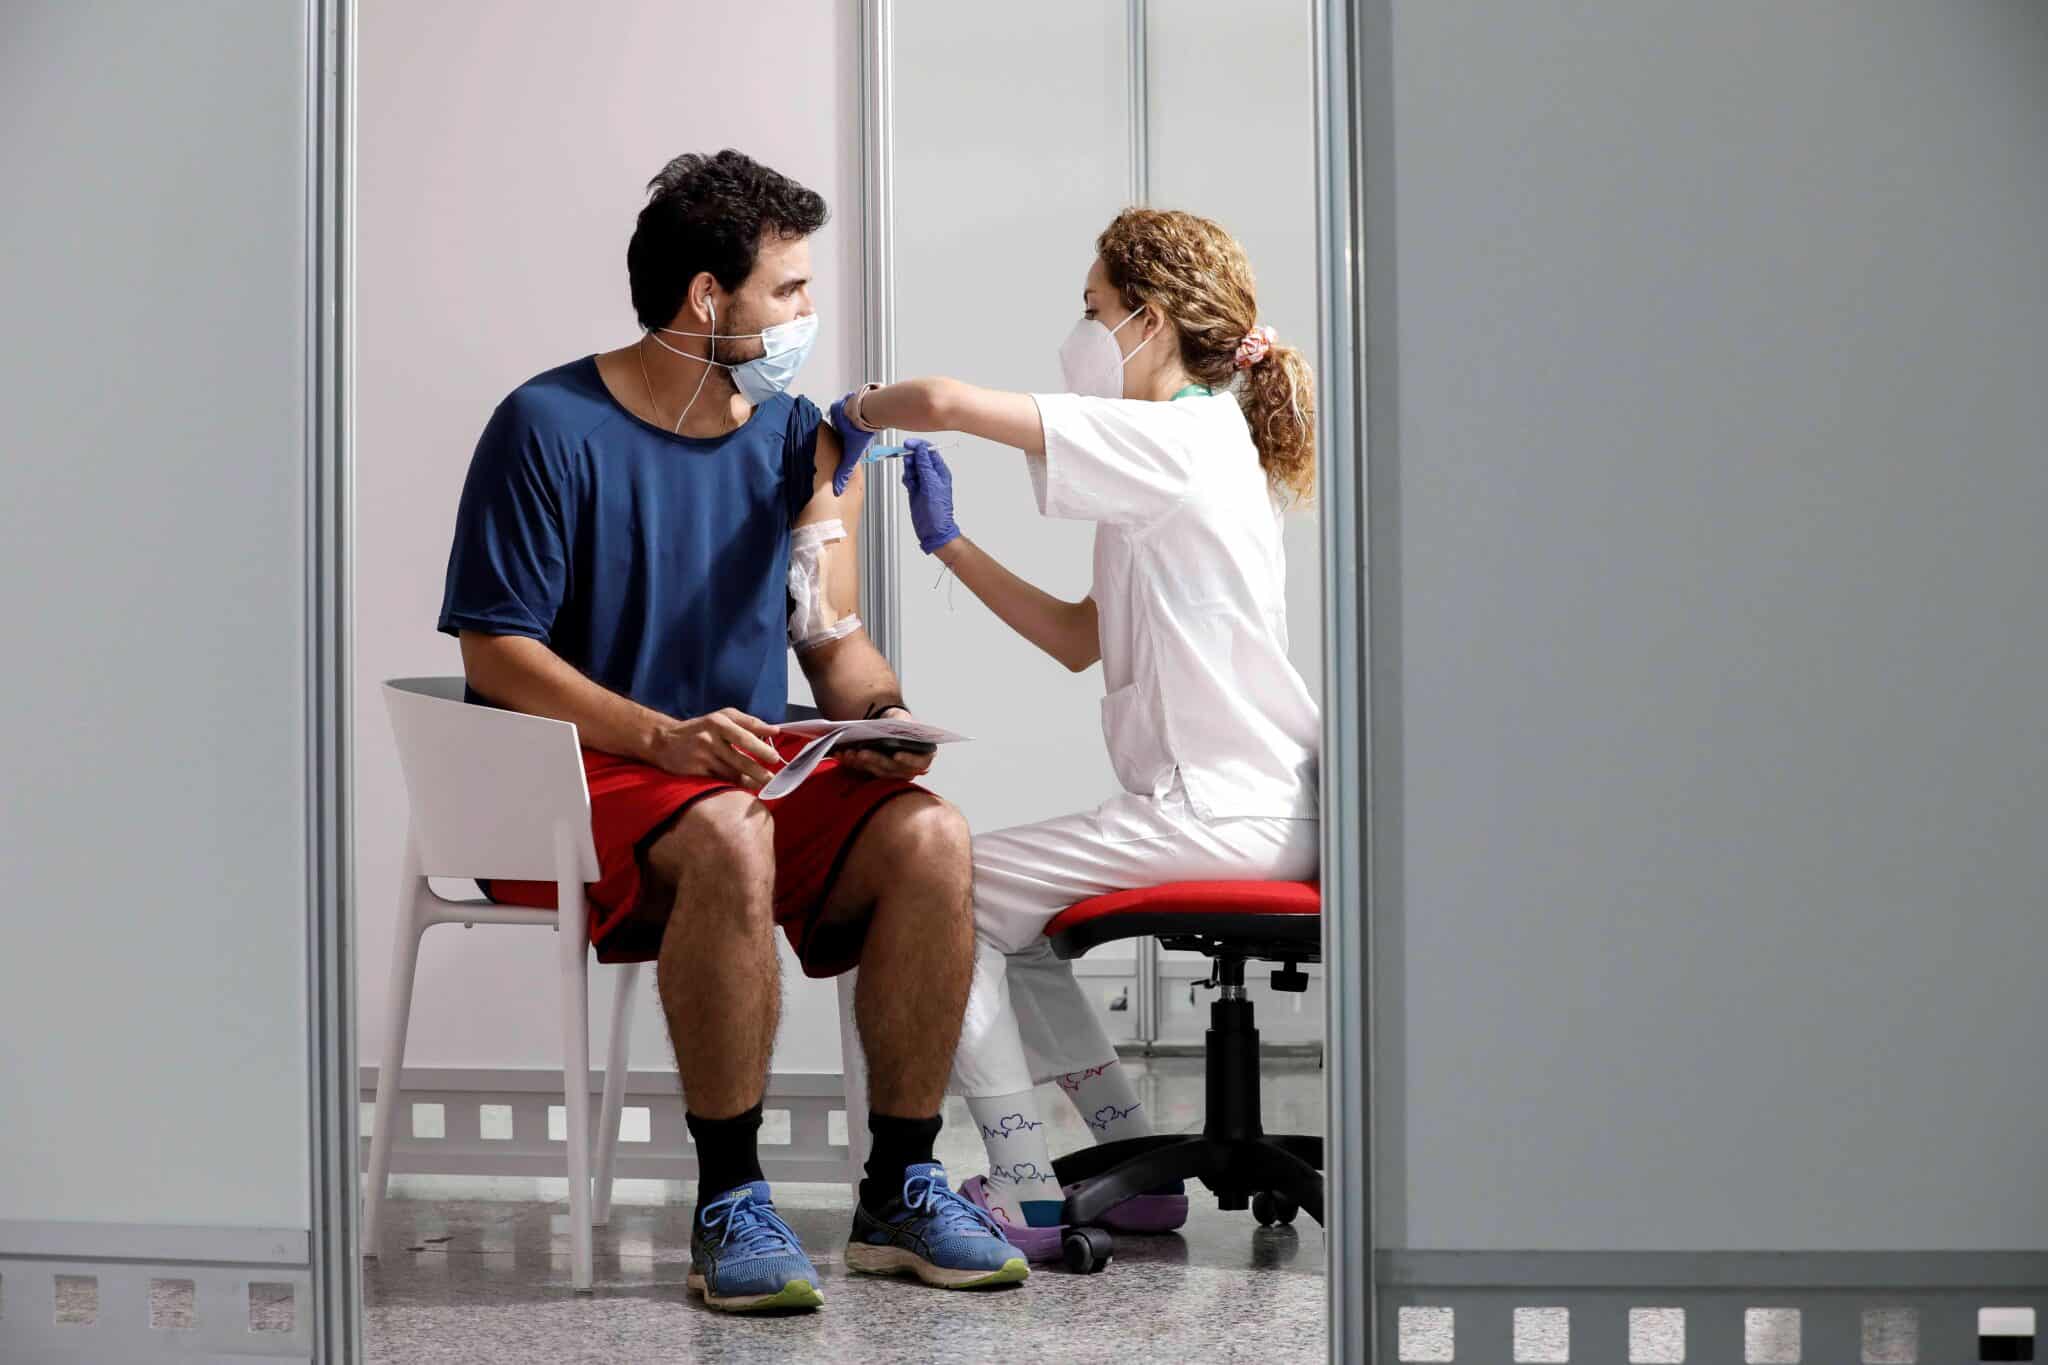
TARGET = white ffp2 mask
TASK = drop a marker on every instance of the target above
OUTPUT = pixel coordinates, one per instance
(1091, 363)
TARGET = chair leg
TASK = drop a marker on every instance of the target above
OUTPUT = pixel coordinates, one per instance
(572, 929)
(1190, 1158)
(627, 978)
(1089, 1162)
(1224, 1165)
(1299, 1146)
(853, 1069)
(405, 961)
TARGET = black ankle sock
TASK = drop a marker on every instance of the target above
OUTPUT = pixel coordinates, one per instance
(728, 1152)
(898, 1145)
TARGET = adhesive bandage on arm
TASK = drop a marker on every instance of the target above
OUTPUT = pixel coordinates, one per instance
(813, 620)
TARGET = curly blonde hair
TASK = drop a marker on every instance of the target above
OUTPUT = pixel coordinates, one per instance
(1201, 279)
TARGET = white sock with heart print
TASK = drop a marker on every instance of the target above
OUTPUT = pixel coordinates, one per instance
(1107, 1102)
(1021, 1186)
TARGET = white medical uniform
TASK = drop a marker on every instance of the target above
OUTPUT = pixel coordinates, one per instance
(1211, 731)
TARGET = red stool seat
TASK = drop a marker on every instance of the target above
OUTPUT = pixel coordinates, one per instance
(1266, 912)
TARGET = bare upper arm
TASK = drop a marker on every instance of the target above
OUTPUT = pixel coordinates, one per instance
(496, 666)
(842, 557)
(481, 652)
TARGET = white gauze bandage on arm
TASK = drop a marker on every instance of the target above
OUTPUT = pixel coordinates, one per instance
(813, 620)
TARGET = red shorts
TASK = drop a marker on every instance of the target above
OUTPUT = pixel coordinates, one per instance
(632, 804)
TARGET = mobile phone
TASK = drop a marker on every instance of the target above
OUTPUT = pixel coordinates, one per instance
(889, 748)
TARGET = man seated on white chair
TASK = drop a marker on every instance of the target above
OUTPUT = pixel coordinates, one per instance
(641, 536)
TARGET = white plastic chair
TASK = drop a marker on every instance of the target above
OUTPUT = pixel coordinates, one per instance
(497, 795)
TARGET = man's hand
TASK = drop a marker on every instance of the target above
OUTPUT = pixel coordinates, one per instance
(729, 744)
(904, 767)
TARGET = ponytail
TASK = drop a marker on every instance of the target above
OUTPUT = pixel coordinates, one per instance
(1278, 395)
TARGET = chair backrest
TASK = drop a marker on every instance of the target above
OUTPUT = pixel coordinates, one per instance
(489, 788)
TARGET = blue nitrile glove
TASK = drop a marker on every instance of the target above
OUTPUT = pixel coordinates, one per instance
(853, 443)
(931, 496)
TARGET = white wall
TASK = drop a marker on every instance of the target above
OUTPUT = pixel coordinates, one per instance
(153, 255)
(501, 166)
(1713, 732)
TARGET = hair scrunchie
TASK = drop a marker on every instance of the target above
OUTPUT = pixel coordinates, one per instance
(1257, 342)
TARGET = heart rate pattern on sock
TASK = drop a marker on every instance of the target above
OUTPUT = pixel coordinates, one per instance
(1009, 1125)
(1109, 1115)
(1074, 1080)
(1106, 1101)
(1022, 1173)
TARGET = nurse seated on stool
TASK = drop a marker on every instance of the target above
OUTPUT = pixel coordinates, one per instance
(1186, 432)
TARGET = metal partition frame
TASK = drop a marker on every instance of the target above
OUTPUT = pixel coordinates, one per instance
(336, 1307)
(1345, 447)
(880, 581)
(1145, 967)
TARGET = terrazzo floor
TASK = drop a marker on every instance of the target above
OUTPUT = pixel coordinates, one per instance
(477, 1269)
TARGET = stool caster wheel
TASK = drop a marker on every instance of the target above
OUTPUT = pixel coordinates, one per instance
(1270, 1207)
(1087, 1251)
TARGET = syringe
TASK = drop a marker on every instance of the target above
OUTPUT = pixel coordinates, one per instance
(877, 454)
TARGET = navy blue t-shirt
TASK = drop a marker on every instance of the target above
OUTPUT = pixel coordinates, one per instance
(656, 564)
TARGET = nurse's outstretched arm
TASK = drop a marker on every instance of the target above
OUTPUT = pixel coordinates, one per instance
(940, 404)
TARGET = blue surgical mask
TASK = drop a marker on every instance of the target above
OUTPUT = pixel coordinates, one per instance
(786, 346)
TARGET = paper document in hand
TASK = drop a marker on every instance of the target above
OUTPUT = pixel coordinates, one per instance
(825, 735)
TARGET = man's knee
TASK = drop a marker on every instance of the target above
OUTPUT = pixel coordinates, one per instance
(927, 825)
(726, 842)
(929, 840)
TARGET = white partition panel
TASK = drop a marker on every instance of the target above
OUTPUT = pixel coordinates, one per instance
(154, 258)
(1231, 105)
(155, 252)
(1714, 748)
(998, 203)
(1001, 187)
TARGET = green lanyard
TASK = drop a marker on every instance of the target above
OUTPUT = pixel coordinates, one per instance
(1199, 390)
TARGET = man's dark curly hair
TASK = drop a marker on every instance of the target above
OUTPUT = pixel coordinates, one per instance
(710, 213)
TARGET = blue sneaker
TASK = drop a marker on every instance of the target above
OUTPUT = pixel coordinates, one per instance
(935, 1234)
(743, 1258)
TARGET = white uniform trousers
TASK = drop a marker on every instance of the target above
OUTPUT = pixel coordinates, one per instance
(1027, 1018)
